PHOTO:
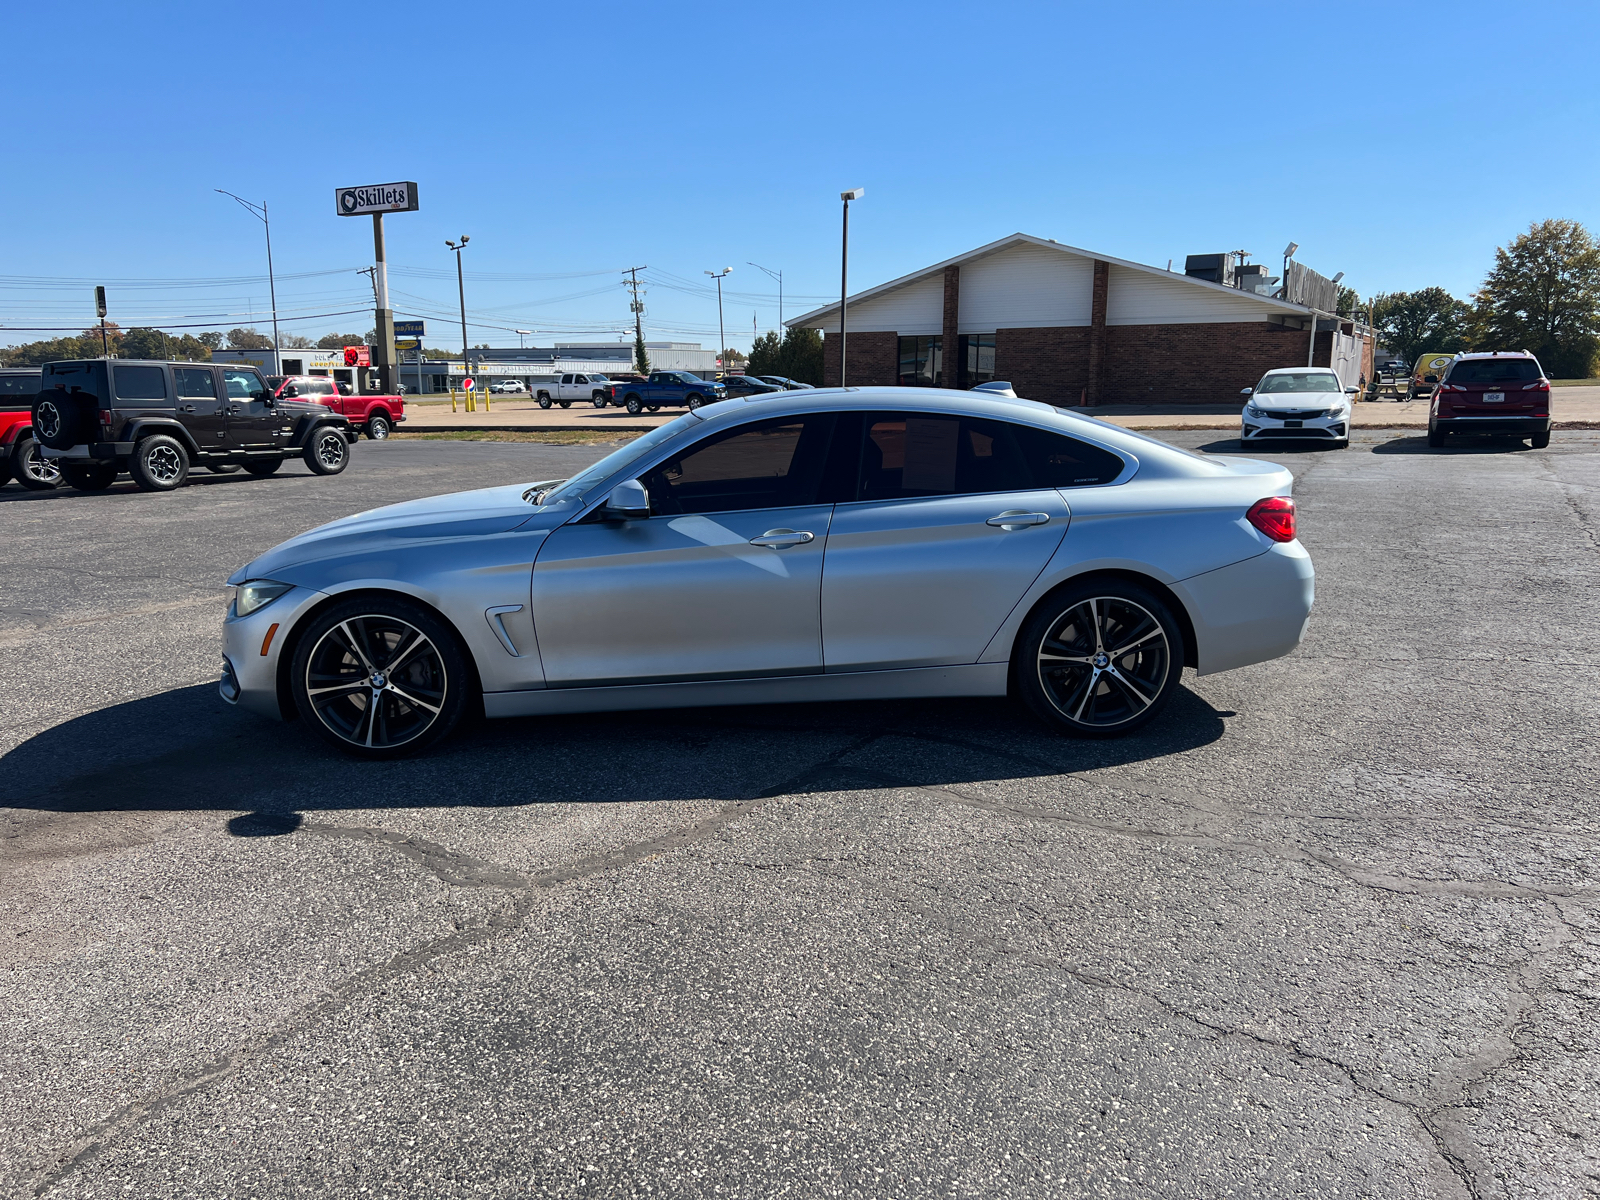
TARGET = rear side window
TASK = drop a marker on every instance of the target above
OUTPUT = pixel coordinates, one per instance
(1494, 370)
(909, 455)
(195, 383)
(770, 464)
(139, 383)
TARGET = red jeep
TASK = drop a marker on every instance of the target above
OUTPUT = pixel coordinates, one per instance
(375, 416)
(20, 458)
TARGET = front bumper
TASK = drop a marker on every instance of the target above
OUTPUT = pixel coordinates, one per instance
(1271, 428)
(1522, 424)
(252, 648)
(1251, 611)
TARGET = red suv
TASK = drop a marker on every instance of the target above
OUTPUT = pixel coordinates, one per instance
(1504, 392)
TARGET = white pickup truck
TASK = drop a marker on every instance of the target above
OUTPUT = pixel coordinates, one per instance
(574, 386)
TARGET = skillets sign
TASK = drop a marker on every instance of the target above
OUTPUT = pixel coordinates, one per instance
(375, 198)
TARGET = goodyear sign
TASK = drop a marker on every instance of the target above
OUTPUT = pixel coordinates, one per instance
(375, 198)
(408, 329)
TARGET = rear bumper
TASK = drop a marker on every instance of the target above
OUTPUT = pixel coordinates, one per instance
(1252, 611)
(1506, 424)
(94, 452)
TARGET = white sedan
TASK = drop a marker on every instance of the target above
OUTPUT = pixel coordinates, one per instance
(1298, 403)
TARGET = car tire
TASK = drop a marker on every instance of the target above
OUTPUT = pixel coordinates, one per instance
(62, 420)
(1343, 444)
(566, 403)
(31, 468)
(88, 477)
(694, 401)
(544, 399)
(159, 463)
(653, 407)
(261, 468)
(1435, 438)
(1080, 686)
(599, 400)
(224, 468)
(426, 681)
(377, 427)
(634, 405)
(327, 451)
(1540, 441)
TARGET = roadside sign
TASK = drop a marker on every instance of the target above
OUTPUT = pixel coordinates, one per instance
(406, 343)
(358, 356)
(468, 384)
(100, 302)
(375, 198)
(410, 329)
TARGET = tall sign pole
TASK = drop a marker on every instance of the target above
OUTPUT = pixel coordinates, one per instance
(844, 272)
(374, 200)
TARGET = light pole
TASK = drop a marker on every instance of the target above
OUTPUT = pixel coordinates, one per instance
(722, 337)
(844, 272)
(778, 275)
(260, 210)
(1288, 253)
(461, 290)
(521, 333)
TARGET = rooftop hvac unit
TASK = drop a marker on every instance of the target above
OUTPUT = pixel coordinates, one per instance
(1253, 277)
(1216, 268)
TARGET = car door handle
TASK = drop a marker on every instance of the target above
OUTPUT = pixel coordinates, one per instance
(1017, 519)
(186, 408)
(779, 538)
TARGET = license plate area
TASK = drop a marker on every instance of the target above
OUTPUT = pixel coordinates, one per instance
(1293, 424)
(1494, 397)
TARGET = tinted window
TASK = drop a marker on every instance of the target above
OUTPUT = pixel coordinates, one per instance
(18, 385)
(195, 383)
(1300, 381)
(140, 383)
(907, 455)
(321, 387)
(770, 464)
(242, 385)
(1494, 370)
(88, 377)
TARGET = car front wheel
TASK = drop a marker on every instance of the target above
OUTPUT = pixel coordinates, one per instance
(379, 677)
(1099, 659)
(544, 400)
(159, 463)
(32, 469)
(599, 399)
(327, 453)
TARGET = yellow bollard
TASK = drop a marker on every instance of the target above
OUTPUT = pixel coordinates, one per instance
(452, 399)
(485, 399)
(472, 401)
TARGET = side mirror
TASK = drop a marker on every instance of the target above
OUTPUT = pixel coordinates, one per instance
(289, 393)
(1247, 391)
(1351, 391)
(627, 502)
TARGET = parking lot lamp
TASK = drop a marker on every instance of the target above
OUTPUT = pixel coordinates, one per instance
(722, 337)
(522, 333)
(844, 272)
(461, 290)
(260, 211)
(778, 275)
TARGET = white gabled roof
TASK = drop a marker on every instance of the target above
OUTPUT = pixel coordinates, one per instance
(1028, 239)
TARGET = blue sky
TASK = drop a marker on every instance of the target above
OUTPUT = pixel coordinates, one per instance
(1397, 143)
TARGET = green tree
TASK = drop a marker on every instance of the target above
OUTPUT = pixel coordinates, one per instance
(1420, 322)
(641, 360)
(210, 340)
(248, 339)
(293, 341)
(338, 341)
(1543, 295)
(735, 357)
(442, 355)
(796, 355)
(1347, 302)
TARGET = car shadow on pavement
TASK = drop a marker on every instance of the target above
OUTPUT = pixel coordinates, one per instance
(1277, 446)
(123, 487)
(1476, 445)
(185, 750)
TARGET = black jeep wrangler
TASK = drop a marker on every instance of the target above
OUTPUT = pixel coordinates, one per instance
(154, 420)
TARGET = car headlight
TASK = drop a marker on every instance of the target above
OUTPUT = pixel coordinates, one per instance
(256, 595)
(1254, 413)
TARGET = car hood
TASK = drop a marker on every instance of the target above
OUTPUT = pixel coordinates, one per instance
(456, 515)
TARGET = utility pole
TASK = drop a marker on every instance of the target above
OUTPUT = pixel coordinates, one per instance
(642, 363)
(722, 336)
(260, 210)
(778, 275)
(461, 291)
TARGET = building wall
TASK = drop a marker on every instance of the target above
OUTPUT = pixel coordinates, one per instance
(874, 357)
(1044, 364)
(1025, 286)
(1199, 363)
(1142, 298)
(917, 308)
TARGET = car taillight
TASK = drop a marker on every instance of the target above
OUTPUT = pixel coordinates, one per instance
(1274, 517)
(105, 417)
(1451, 387)
(1542, 385)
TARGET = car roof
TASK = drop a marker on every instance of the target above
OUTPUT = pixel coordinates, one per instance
(1297, 371)
(1497, 354)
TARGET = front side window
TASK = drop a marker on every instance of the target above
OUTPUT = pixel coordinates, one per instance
(921, 362)
(1494, 370)
(911, 455)
(195, 383)
(242, 385)
(770, 464)
(1299, 381)
(139, 383)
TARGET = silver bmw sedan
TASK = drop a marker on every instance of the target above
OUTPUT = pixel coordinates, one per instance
(843, 544)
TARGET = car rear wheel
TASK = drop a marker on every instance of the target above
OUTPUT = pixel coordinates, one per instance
(1099, 659)
(377, 427)
(634, 405)
(32, 469)
(1540, 441)
(379, 677)
(566, 404)
(327, 452)
(159, 463)
(223, 468)
(653, 407)
(89, 477)
(1435, 438)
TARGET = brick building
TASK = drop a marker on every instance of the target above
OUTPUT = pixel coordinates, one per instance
(1073, 327)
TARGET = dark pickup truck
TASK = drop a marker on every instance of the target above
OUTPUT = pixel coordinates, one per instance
(670, 388)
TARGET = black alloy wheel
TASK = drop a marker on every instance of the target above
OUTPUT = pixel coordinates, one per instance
(380, 677)
(32, 469)
(88, 477)
(1099, 659)
(377, 427)
(159, 463)
(327, 452)
(262, 467)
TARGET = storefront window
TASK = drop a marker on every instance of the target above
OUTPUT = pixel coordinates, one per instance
(977, 359)
(921, 362)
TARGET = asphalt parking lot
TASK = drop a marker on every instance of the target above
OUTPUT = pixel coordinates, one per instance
(1329, 929)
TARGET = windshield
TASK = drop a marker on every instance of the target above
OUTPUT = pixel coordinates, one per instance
(598, 379)
(1494, 370)
(686, 377)
(619, 458)
(1299, 381)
